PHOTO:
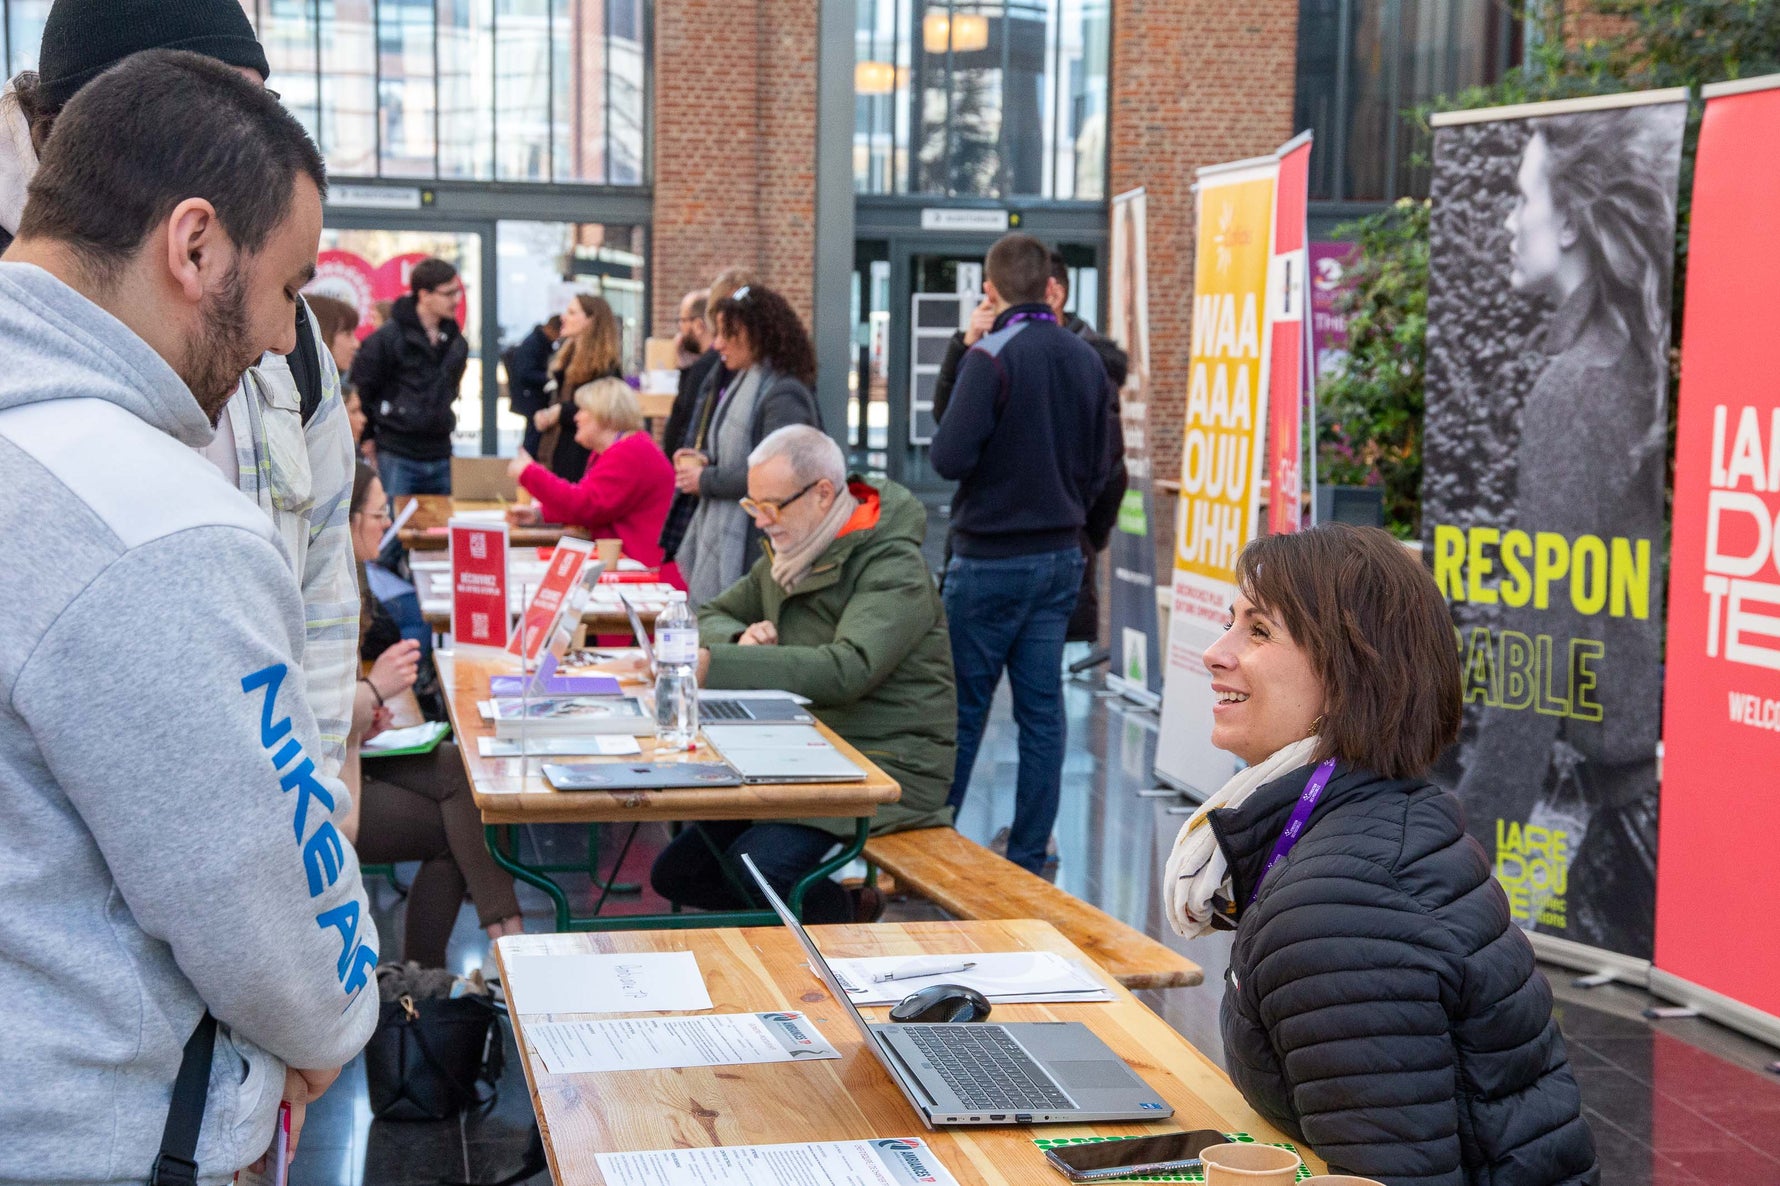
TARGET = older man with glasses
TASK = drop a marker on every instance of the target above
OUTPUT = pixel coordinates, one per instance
(842, 610)
(407, 374)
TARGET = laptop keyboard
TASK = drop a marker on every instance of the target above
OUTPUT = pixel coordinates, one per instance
(723, 710)
(988, 1069)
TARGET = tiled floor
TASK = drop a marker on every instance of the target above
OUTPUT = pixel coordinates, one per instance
(1672, 1103)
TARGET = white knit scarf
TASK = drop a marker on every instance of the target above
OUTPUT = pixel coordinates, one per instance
(1197, 868)
(791, 566)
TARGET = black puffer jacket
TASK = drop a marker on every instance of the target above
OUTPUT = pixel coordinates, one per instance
(1381, 1007)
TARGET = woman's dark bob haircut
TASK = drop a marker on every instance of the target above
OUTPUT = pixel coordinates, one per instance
(1379, 635)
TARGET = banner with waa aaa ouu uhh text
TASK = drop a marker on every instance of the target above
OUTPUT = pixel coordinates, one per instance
(1718, 886)
(1221, 453)
(1288, 312)
(1551, 259)
(1136, 650)
(479, 612)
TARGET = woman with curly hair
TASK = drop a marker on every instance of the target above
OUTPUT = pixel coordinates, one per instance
(591, 347)
(773, 367)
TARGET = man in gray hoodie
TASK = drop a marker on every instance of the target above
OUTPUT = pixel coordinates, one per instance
(168, 842)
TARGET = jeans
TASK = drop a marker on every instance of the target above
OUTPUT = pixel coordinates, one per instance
(404, 475)
(1012, 613)
(690, 873)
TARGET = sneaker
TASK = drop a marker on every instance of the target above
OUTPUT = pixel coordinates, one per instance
(998, 846)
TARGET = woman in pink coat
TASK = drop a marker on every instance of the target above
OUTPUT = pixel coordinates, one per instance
(628, 486)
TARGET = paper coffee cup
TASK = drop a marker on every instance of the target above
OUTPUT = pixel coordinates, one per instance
(1238, 1164)
(608, 551)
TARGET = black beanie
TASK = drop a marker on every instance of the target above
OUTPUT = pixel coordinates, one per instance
(84, 38)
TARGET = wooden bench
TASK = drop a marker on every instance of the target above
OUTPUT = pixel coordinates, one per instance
(968, 881)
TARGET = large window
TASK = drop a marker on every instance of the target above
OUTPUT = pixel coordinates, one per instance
(1362, 63)
(991, 100)
(472, 90)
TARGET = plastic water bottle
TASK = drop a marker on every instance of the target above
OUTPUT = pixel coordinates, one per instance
(676, 676)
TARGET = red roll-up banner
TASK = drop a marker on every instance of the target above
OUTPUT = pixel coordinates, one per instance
(1290, 296)
(1718, 882)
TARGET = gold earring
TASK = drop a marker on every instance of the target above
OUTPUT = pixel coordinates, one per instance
(1316, 726)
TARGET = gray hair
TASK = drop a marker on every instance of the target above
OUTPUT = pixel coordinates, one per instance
(812, 453)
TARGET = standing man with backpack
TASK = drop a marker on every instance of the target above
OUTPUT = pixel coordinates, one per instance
(407, 374)
(283, 440)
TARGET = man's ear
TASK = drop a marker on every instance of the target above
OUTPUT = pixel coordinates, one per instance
(989, 291)
(195, 246)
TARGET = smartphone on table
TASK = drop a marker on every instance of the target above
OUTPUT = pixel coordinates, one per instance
(1133, 1155)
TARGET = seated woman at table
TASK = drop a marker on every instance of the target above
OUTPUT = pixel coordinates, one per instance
(628, 486)
(1381, 1005)
(418, 807)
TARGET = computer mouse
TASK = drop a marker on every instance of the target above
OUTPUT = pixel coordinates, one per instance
(942, 1002)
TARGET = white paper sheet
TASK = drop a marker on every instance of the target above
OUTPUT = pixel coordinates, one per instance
(1008, 976)
(405, 738)
(643, 982)
(888, 1161)
(652, 1043)
(600, 745)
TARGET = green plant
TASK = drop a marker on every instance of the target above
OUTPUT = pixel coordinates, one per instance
(1370, 416)
(1369, 419)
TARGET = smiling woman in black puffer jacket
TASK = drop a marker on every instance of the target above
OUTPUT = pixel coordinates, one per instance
(1380, 1005)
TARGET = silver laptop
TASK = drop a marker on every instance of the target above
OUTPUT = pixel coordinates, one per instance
(781, 754)
(1029, 1072)
(729, 710)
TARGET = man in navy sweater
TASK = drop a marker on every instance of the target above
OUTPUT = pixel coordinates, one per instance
(1030, 436)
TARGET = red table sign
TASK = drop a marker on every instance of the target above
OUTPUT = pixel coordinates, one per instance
(478, 584)
(566, 566)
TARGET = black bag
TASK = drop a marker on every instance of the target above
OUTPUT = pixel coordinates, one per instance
(428, 1055)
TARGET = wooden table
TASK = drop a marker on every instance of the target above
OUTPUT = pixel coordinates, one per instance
(513, 791)
(758, 969)
(425, 532)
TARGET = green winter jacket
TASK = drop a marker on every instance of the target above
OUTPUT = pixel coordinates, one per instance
(864, 638)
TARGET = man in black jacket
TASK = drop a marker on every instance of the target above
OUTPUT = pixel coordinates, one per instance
(528, 369)
(1084, 623)
(1032, 446)
(699, 360)
(407, 375)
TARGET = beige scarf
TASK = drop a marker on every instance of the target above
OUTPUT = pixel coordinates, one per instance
(1197, 869)
(791, 566)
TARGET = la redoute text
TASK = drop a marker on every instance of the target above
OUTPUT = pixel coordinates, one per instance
(1742, 575)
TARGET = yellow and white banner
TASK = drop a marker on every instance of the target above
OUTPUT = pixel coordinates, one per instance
(1222, 454)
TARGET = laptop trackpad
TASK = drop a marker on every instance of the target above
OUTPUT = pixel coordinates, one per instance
(1100, 1073)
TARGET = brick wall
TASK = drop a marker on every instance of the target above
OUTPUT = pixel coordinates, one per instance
(1195, 82)
(735, 147)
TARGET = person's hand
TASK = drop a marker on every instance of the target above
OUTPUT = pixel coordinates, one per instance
(688, 466)
(704, 664)
(301, 1088)
(525, 514)
(367, 449)
(760, 634)
(396, 669)
(381, 719)
(982, 320)
(545, 418)
(521, 462)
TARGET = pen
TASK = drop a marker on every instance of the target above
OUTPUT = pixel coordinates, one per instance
(912, 972)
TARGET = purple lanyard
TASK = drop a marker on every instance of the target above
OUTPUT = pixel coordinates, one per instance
(1030, 315)
(1313, 790)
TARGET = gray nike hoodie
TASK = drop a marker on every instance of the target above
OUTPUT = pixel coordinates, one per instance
(166, 844)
